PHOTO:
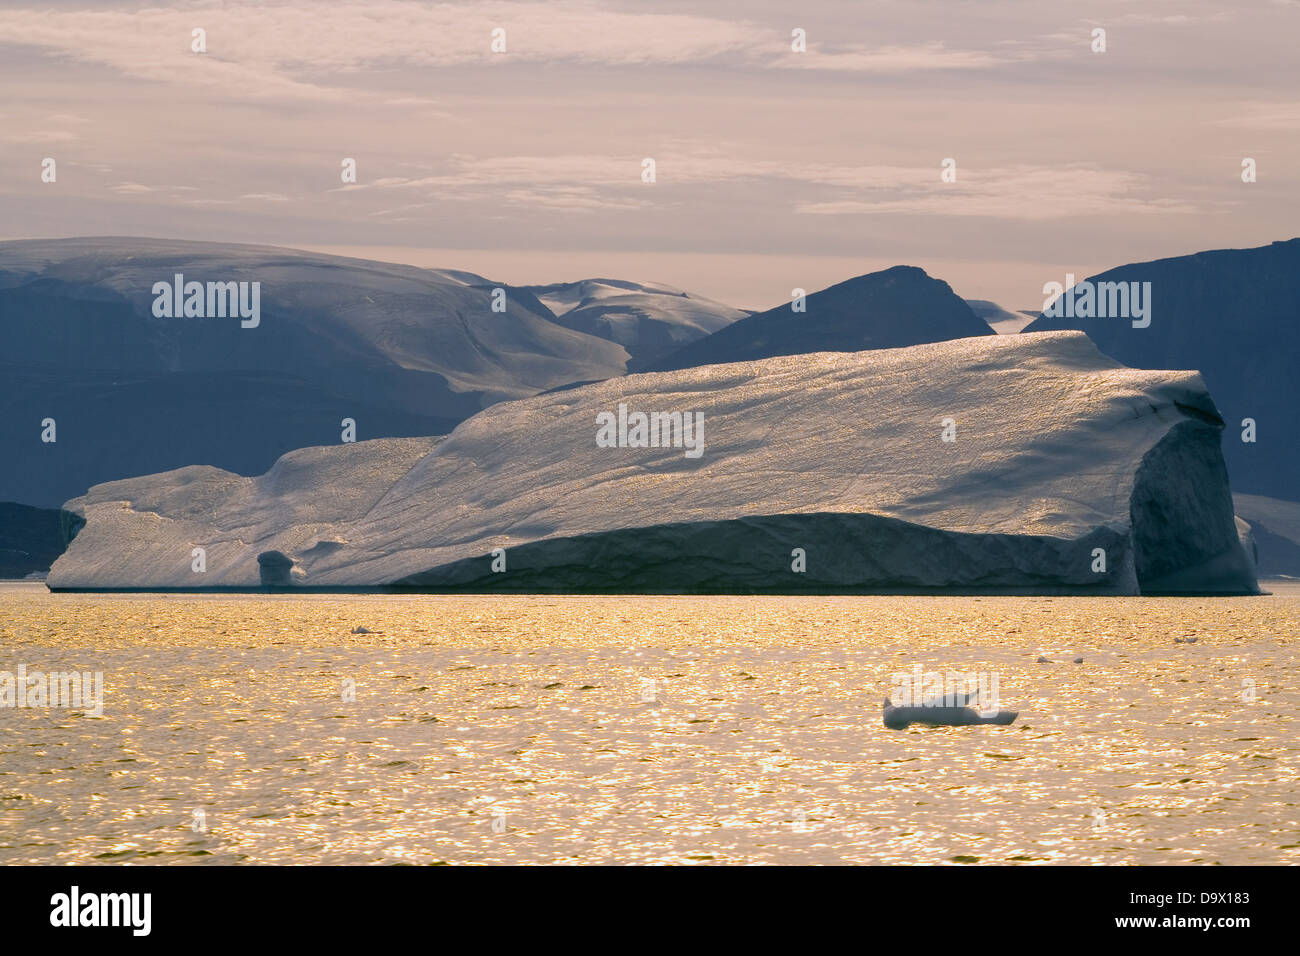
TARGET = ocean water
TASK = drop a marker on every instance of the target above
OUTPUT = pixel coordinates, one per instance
(732, 730)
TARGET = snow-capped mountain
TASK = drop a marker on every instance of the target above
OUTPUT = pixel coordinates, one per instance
(1000, 320)
(888, 309)
(647, 319)
(1233, 314)
(397, 349)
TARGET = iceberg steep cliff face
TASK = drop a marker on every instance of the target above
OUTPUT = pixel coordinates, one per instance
(1026, 463)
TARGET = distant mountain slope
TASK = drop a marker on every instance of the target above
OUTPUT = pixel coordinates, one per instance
(1234, 314)
(1275, 525)
(999, 319)
(647, 319)
(30, 539)
(889, 309)
(402, 350)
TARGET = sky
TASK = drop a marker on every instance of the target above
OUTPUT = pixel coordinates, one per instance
(774, 169)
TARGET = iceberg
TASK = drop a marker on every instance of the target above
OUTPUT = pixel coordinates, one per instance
(993, 464)
(937, 715)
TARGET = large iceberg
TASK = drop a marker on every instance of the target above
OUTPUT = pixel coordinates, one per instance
(1018, 464)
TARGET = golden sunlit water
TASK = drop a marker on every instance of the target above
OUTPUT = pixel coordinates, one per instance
(648, 730)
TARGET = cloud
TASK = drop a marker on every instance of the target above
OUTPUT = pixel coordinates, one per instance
(1264, 116)
(1174, 19)
(303, 50)
(31, 125)
(1018, 192)
(897, 59)
(571, 197)
(246, 199)
(1022, 192)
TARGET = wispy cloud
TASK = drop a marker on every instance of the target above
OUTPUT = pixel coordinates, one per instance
(829, 154)
(1265, 116)
(898, 59)
(1018, 192)
(303, 50)
(1024, 192)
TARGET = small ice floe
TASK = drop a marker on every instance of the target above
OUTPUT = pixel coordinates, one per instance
(365, 630)
(1047, 660)
(1186, 639)
(953, 710)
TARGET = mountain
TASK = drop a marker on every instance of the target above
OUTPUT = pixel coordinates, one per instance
(1234, 314)
(897, 307)
(398, 349)
(1275, 525)
(999, 319)
(30, 539)
(647, 319)
(1067, 473)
